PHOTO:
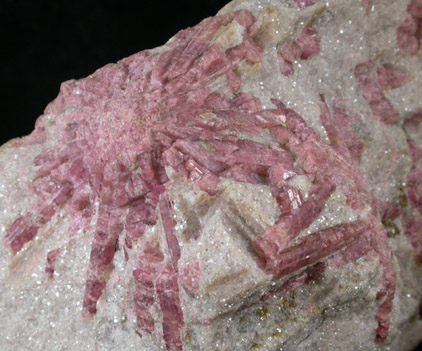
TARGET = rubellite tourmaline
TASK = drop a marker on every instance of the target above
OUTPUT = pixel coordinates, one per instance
(250, 185)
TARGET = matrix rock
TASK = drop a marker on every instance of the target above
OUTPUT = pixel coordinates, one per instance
(253, 184)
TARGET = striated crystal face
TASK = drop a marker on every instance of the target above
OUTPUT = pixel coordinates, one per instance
(255, 183)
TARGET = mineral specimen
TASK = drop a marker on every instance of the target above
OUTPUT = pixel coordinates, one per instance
(253, 184)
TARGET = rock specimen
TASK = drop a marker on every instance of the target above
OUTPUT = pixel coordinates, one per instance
(254, 184)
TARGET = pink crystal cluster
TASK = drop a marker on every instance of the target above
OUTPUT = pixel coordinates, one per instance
(409, 34)
(305, 46)
(119, 129)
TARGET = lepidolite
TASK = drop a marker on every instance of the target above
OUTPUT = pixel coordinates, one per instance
(253, 184)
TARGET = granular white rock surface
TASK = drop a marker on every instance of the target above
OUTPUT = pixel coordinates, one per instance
(253, 184)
